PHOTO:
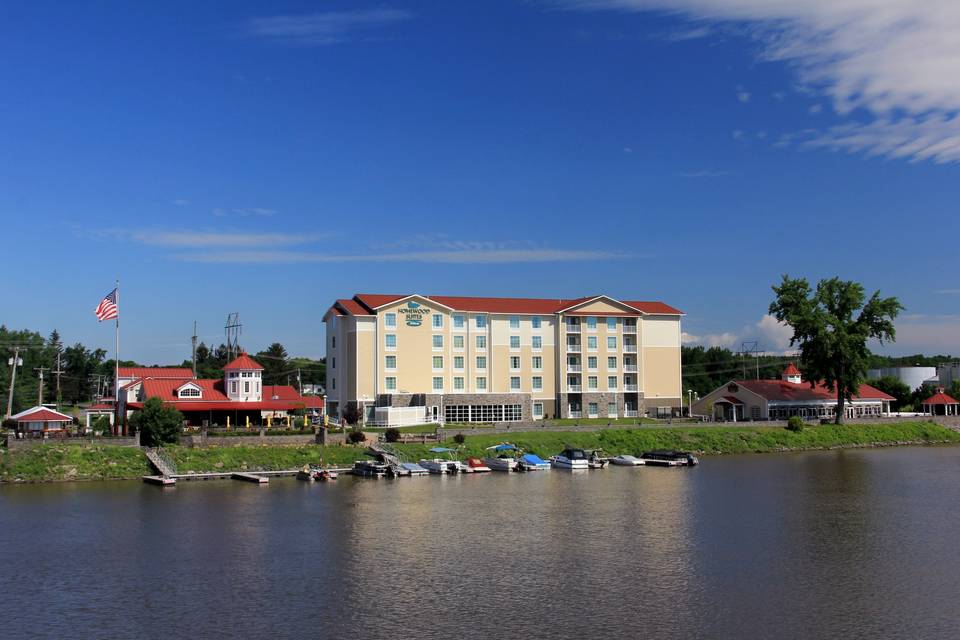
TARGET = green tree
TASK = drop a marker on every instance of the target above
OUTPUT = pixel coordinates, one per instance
(832, 340)
(157, 424)
(274, 363)
(896, 388)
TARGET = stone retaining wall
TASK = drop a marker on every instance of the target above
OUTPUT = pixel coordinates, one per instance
(254, 439)
(13, 444)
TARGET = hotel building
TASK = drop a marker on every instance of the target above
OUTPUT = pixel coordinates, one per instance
(502, 359)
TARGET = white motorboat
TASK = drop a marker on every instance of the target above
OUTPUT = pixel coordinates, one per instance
(440, 465)
(626, 460)
(532, 462)
(502, 458)
(571, 459)
(476, 465)
(668, 458)
(414, 469)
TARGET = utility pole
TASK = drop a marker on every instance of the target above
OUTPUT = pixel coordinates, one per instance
(193, 342)
(57, 373)
(40, 370)
(299, 381)
(14, 362)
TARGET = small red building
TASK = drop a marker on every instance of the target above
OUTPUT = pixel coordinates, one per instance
(941, 404)
(239, 399)
(41, 420)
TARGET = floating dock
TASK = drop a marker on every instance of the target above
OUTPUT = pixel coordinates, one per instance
(250, 477)
(160, 481)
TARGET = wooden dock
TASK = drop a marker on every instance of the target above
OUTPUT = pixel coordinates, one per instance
(250, 477)
(162, 481)
(258, 477)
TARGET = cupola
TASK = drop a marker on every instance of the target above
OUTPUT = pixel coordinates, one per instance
(791, 374)
(242, 379)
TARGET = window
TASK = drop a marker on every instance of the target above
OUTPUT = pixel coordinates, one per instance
(612, 343)
(246, 386)
(591, 323)
(591, 382)
(437, 321)
(391, 383)
(611, 409)
(438, 341)
(537, 410)
(535, 322)
(481, 322)
(515, 383)
(514, 342)
(333, 383)
(333, 342)
(390, 320)
(537, 342)
(537, 383)
(592, 343)
(233, 374)
(437, 383)
(458, 362)
(458, 383)
(754, 413)
(592, 363)
(537, 363)
(592, 409)
(514, 322)
(189, 392)
(458, 343)
(481, 362)
(481, 342)
(459, 322)
(483, 413)
(611, 382)
(391, 340)
(612, 362)
(333, 364)
(437, 362)
(390, 363)
(611, 324)
(481, 384)
(514, 363)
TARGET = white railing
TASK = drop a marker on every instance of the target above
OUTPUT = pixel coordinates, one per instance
(574, 368)
(629, 348)
(575, 414)
(573, 328)
(630, 387)
(629, 414)
(573, 348)
(629, 328)
(574, 388)
(630, 368)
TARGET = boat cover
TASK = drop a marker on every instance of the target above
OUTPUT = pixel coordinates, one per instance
(502, 447)
(533, 459)
(441, 450)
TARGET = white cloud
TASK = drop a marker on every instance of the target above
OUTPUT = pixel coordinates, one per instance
(322, 28)
(737, 134)
(247, 212)
(180, 202)
(771, 337)
(460, 256)
(896, 60)
(774, 335)
(815, 109)
(743, 96)
(947, 292)
(704, 173)
(198, 239)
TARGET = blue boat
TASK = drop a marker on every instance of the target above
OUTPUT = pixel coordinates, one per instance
(532, 462)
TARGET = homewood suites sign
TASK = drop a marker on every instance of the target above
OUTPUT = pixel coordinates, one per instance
(414, 313)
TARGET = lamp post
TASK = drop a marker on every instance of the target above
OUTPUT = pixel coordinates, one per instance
(689, 403)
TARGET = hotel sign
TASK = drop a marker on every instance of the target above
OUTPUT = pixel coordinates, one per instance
(414, 314)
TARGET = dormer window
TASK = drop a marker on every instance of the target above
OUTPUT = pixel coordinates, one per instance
(189, 390)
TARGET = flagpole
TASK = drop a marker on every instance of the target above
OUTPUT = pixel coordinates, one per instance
(116, 373)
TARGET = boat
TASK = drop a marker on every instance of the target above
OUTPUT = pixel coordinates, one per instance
(532, 462)
(414, 469)
(476, 465)
(370, 468)
(571, 459)
(668, 458)
(324, 475)
(626, 460)
(504, 459)
(440, 465)
(595, 460)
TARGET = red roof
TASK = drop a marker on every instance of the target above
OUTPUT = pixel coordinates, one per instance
(367, 303)
(783, 391)
(42, 414)
(791, 370)
(731, 400)
(940, 398)
(155, 372)
(100, 406)
(243, 362)
(214, 397)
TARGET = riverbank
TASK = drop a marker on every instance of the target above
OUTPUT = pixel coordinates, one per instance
(51, 463)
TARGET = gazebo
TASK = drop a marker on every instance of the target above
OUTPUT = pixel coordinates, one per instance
(41, 420)
(940, 404)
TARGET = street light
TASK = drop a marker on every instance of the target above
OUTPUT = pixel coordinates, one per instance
(689, 403)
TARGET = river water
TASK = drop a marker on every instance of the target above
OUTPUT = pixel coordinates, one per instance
(815, 545)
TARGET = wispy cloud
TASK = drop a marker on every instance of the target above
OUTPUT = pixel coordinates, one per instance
(889, 66)
(771, 336)
(214, 239)
(244, 212)
(181, 202)
(947, 292)
(742, 95)
(704, 173)
(323, 28)
(464, 256)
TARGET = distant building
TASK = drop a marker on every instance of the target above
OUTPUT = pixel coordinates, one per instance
(941, 404)
(240, 396)
(913, 377)
(947, 373)
(41, 420)
(740, 400)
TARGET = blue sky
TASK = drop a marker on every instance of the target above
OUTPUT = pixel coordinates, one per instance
(269, 158)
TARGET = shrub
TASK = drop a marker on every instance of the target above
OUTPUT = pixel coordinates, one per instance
(356, 436)
(459, 438)
(157, 424)
(352, 414)
(795, 423)
(391, 435)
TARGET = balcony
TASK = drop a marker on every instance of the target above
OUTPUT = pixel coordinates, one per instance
(574, 414)
(574, 388)
(631, 387)
(574, 368)
(630, 368)
(573, 328)
(629, 348)
(629, 328)
(630, 413)
(573, 348)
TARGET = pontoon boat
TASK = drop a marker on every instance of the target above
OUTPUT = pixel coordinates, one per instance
(668, 458)
(626, 460)
(502, 458)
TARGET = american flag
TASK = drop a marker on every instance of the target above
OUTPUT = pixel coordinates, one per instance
(107, 309)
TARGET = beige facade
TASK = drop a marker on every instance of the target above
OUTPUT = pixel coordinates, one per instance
(592, 357)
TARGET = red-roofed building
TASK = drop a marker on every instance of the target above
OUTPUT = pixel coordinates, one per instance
(740, 400)
(41, 419)
(240, 398)
(485, 359)
(941, 404)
